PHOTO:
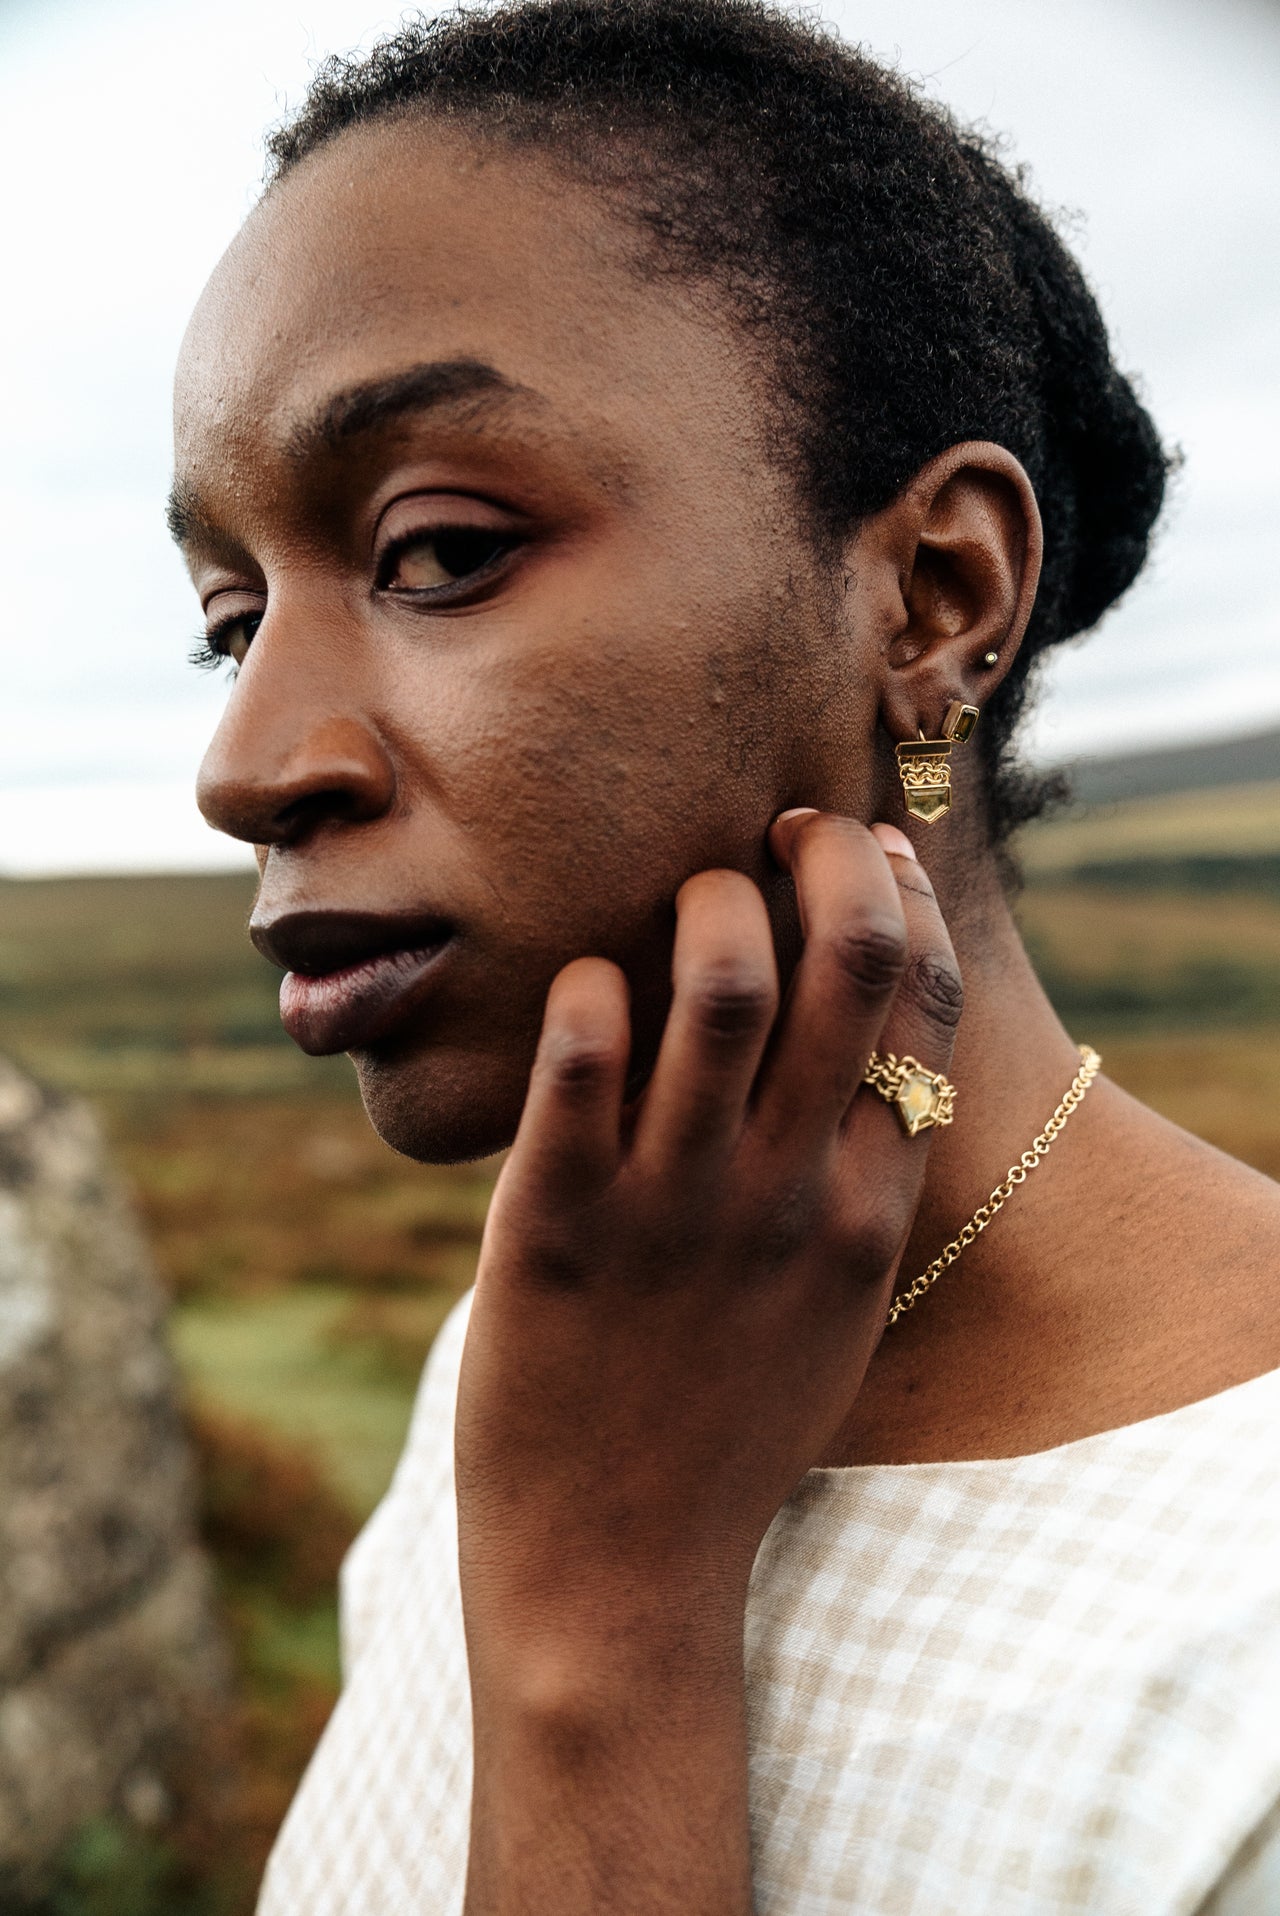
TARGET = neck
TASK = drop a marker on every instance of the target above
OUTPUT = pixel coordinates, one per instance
(1013, 1060)
(938, 1385)
(1130, 1274)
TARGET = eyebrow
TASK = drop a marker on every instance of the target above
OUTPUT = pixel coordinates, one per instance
(366, 408)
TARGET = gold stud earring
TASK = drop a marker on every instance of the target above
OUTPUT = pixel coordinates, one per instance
(924, 764)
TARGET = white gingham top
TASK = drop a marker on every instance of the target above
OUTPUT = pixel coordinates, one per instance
(1020, 1687)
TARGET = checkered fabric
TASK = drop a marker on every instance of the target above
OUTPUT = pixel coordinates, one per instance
(1021, 1687)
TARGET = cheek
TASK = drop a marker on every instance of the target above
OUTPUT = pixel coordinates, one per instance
(578, 811)
(571, 790)
(622, 754)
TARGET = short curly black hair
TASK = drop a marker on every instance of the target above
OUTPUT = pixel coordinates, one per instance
(909, 291)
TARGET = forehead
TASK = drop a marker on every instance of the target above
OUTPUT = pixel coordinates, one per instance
(401, 244)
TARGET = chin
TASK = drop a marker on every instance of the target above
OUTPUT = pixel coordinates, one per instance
(443, 1107)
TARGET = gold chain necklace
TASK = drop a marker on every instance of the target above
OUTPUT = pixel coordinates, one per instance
(1090, 1065)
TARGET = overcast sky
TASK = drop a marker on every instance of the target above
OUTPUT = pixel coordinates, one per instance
(130, 150)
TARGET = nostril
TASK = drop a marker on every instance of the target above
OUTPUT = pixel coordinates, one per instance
(271, 789)
(338, 803)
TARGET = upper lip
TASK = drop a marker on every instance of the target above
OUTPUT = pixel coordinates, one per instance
(316, 942)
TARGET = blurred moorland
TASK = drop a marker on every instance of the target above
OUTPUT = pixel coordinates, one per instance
(309, 1267)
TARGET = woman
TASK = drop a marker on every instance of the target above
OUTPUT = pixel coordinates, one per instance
(624, 431)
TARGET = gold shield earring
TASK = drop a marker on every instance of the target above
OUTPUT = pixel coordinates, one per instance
(924, 764)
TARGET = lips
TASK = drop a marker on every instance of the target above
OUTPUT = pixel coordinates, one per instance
(351, 977)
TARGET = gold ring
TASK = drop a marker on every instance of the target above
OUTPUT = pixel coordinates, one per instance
(921, 1098)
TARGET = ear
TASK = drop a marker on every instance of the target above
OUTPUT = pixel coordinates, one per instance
(964, 542)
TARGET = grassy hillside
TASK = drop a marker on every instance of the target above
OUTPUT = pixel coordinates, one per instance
(122, 985)
(1179, 768)
(1229, 824)
(1160, 916)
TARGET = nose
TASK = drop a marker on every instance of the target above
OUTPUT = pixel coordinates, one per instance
(294, 752)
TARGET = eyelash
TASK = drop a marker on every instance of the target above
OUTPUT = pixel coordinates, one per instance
(392, 553)
(209, 650)
(203, 655)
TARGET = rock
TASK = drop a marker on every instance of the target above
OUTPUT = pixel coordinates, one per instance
(114, 1678)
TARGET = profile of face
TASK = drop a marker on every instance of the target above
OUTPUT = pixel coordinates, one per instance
(525, 625)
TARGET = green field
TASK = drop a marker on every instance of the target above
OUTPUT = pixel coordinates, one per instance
(1226, 823)
(310, 1267)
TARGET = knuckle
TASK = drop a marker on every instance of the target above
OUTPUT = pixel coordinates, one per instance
(869, 1244)
(881, 1241)
(935, 985)
(872, 954)
(578, 1060)
(732, 1000)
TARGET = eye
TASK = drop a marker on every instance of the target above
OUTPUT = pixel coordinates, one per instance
(235, 637)
(228, 639)
(427, 561)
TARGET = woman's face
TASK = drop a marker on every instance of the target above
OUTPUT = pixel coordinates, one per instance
(527, 630)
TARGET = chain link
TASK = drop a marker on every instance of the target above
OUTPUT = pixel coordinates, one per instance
(1090, 1065)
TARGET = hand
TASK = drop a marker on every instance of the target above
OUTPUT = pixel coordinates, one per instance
(674, 1311)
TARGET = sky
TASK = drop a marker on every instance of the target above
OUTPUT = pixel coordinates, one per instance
(130, 144)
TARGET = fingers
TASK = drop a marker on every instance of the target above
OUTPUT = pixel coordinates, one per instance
(877, 972)
(926, 1008)
(725, 997)
(569, 1131)
(921, 1024)
(855, 955)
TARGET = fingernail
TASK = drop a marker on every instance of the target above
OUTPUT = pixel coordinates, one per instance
(892, 840)
(779, 832)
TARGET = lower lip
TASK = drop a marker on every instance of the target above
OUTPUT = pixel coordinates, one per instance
(349, 1009)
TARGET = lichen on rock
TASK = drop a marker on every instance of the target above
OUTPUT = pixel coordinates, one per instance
(114, 1678)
